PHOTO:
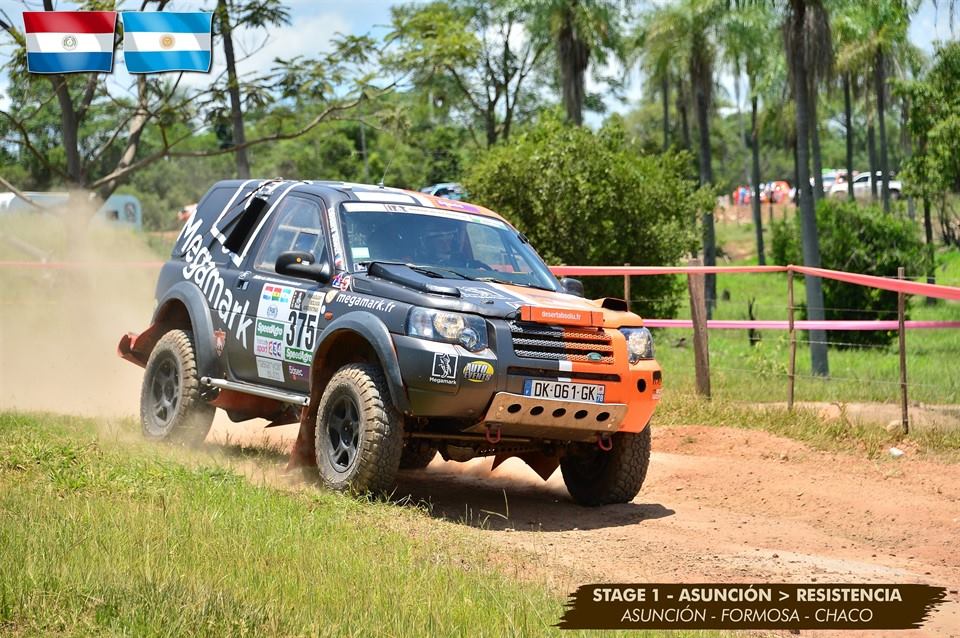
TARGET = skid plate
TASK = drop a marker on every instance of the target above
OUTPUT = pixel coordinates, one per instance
(519, 415)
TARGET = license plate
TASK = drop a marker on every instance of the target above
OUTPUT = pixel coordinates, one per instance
(563, 390)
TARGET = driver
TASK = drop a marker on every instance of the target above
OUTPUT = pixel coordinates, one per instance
(442, 244)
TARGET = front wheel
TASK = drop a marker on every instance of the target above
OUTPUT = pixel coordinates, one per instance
(595, 477)
(171, 408)
(359, 433)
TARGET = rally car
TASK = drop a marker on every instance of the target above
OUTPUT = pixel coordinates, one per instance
(392, 325)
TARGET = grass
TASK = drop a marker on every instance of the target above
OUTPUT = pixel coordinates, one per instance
(105, 536)
(741, 372)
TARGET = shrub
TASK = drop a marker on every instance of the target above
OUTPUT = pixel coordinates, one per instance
(590, 198)
(860, 239)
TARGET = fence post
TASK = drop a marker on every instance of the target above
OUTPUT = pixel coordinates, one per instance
(626, 288)
(902, 336)
(698, 314)
(792, 369)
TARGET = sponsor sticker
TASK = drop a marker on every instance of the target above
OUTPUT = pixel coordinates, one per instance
(444, 368)
(296, 301)
(341, 281)
(269, 369)
(280, 294)
(271, 329)
(264, 347)
(297, 355)
(298, 372)
(220, 338)
(478, 371)
(361, 301)
(476, 292)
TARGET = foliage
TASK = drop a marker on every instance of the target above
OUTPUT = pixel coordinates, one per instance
(860, 239)
(934, 167)
(468, 59)
(588, 198)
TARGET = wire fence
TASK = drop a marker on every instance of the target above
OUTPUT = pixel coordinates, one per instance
(780, 362)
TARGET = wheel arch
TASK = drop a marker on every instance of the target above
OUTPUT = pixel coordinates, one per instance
(360, 337)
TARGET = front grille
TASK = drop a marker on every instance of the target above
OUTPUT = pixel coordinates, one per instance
(536, 341)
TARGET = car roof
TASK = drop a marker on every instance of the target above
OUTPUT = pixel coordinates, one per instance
(349, 191)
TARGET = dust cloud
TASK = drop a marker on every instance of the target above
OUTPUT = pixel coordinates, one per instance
(59, 328)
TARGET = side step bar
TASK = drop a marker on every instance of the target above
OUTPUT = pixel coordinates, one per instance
(256, 390)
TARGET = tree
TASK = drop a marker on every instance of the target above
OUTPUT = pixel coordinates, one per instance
(688, 27)
(471, 57)
(934, 168)
(806, 31)
(122, 135)
(232, 15)
(747, 46)
(591, 198)
(580, 32)
(875, 38)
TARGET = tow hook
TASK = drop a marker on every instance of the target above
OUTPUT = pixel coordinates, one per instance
(604, 442)
(489, 434)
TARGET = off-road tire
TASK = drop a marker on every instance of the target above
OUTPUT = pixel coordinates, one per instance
(416, 456)
(376, 433)
(170, 405)
(594, 477)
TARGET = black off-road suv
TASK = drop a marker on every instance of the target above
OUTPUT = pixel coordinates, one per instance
(391, 325)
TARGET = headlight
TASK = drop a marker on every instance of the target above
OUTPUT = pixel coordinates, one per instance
(639, 343)
(470, 331)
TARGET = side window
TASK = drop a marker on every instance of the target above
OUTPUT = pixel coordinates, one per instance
(296, 226)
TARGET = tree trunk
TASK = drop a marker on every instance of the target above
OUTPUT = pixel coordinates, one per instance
(665, 95)
(815, 143)
(682, 109)
(879, 77)
(848, 120)
(906, 145)
(233, 88)
(706, 178)
(872, 158)
(755, 200)
(574, 56)
(928, 233)
(808, 219)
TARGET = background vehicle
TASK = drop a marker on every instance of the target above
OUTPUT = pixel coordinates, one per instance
(450, 190)
(862, 187)
(393, 325)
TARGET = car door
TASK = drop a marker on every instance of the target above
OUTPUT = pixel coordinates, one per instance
(285, 312)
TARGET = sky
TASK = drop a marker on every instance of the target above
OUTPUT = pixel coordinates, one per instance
(314, 22)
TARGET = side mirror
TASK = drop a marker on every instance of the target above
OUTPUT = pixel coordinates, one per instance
(302, 264)
(572, 286)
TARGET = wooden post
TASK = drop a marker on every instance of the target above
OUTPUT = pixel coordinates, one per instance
(902, 335)
(626, 288)
(792, 369)
(698, 313)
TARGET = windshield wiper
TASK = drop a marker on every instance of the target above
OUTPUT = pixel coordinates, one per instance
(434, 271)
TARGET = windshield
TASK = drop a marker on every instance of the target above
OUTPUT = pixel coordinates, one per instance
(441, 243)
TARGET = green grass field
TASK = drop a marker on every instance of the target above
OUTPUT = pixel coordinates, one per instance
(741, 372)
(103, 535)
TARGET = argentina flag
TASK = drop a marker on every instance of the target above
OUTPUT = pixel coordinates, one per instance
(154, 42)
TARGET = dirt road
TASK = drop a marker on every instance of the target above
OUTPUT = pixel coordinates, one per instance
(720, 504)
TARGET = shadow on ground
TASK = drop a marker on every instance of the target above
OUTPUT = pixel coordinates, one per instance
(511, 497)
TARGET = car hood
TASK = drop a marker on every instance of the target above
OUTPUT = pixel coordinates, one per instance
(400, 283)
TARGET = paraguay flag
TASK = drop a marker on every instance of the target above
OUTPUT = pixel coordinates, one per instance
(158, 41)
(69, 41)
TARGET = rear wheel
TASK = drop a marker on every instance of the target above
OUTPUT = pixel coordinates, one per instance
(359, 433)
(595, 477)
(170, 405)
